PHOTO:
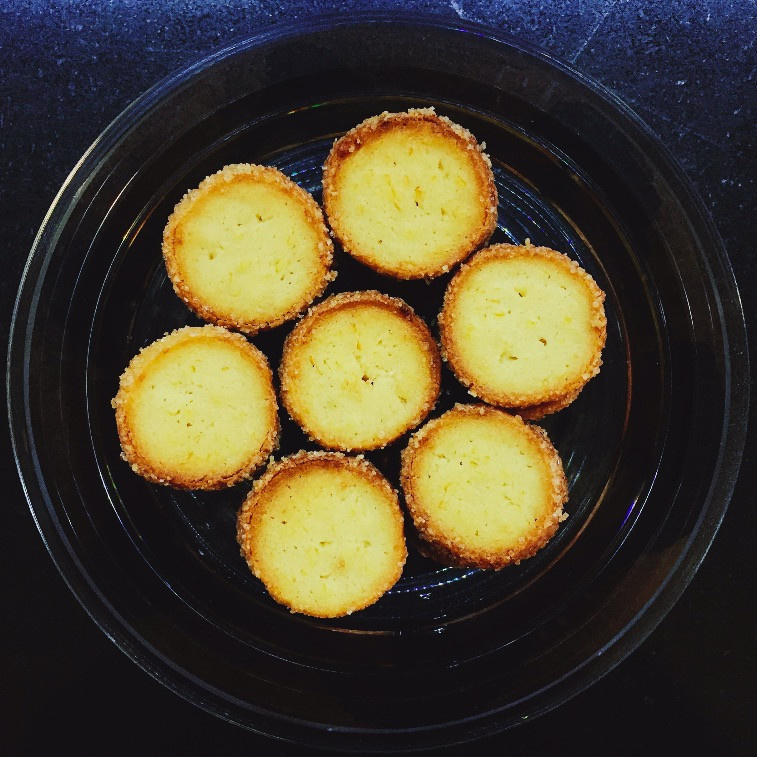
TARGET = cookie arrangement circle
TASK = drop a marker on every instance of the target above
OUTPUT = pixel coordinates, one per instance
(409, 195)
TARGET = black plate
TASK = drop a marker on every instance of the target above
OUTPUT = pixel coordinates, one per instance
(651, 447)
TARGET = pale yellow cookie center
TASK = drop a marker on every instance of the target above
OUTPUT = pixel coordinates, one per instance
(200, 408)
(362, 372)
(482, 483)
(249, 251)
(327, 538)
(410, 197)
(522, 325)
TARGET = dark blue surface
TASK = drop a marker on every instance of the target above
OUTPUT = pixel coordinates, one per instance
(67, 68)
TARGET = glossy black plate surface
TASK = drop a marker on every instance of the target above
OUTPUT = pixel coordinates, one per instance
(651, 447)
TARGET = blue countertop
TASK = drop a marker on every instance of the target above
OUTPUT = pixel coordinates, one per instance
(67, 68)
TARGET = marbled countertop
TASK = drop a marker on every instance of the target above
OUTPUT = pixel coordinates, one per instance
(68, 67)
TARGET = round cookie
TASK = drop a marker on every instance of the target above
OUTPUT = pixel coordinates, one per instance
(248, 249)
(523, 327)
(484, 489)
(409, 194)
(324, 533)
(359, 370)
(197, 409)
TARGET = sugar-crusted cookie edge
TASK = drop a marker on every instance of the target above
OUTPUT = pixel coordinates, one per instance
(371, 127)
(313, 213)
(299, 336)
(449, 551)
(290, 466)
(536, 404)
(135, 370)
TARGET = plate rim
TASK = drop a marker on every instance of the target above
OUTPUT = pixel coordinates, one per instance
(721, 485)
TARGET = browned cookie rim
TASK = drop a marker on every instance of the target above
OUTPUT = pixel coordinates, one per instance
(300, 335)
(438, 545)
(290, 466)
(135, 372)
(237, 172)
(536, 404)
(376, 125)
(537, 412)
